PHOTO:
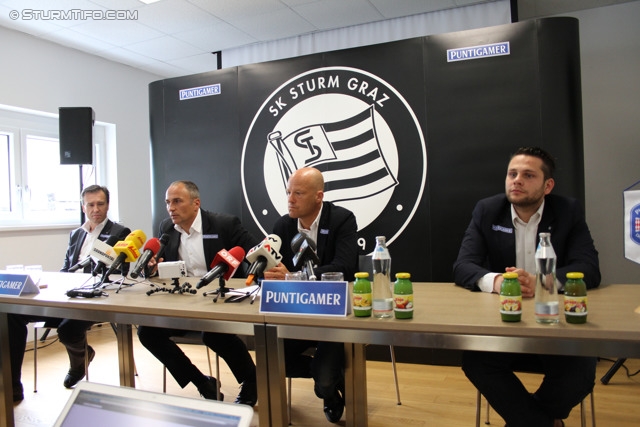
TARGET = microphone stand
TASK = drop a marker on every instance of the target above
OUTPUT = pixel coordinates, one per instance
(178, 288)
(611, 372)
(222, 289)
(122, 284)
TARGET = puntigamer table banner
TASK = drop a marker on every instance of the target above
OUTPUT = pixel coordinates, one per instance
(17, 284)
(304, 297)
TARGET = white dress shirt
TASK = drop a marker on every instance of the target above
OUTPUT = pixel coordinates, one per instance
(91, 237)
(191, 249)
(526, 238)
(312, 232)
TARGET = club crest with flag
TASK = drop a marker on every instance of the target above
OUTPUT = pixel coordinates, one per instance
(345, 122)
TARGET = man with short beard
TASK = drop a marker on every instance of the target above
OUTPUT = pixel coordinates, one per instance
(502, 236)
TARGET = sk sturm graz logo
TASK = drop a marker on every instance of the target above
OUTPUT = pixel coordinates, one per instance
(356, 129)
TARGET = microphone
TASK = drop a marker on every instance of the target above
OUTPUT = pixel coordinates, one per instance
(164, 239)
(151, 248)
(223, 265)
(296, 242)
(263, 256)
(82, 264)
(103, 253)
(305, 256)
(127, 250)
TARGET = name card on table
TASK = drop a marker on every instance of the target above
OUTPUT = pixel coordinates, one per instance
(17, 284)
(304, 297)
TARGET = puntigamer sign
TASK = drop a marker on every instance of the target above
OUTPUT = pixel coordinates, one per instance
(304, 297)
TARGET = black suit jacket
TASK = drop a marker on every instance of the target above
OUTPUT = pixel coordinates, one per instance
(337, 245)
(76, 239)
(219, 231)
(488, 244)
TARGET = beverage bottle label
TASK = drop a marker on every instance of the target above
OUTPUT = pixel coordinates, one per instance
(403, 302)
(361, 301)
(510, 304)
(575, 306)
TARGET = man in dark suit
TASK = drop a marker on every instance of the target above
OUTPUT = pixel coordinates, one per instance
(333, 229)
(502, 236)
(72, 333)
(196, 236)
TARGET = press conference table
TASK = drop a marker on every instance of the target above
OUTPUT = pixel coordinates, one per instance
(446, 317)
(450, 317)
(131, 306)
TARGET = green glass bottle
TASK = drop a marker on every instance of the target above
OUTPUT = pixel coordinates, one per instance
(403, 296)
(575, 298)
(362, 295)
(510, 298)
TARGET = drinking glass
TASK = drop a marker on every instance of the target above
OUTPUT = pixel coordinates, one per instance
(334, 276)
(295, 275)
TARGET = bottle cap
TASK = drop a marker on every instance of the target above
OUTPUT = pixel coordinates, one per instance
(510, 275)
(575, 275)
(362, 275)
(403, 276)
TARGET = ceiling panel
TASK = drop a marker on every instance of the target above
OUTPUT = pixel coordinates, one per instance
(176, 37)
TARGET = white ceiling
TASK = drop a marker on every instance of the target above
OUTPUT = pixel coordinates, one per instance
(176, 37)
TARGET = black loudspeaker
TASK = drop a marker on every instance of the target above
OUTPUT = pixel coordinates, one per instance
(76, 135)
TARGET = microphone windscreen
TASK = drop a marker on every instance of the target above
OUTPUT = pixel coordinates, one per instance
(237, 252)
(137, 237)
(153, 245)
(275, 241)
(296, 242)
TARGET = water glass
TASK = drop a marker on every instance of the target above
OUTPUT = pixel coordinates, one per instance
(334, 276)
(295, 275)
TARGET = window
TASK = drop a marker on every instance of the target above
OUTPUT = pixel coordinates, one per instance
(35, 189)
(5, 182)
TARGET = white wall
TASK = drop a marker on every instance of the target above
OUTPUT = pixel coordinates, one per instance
(610, 56)
(43, 76)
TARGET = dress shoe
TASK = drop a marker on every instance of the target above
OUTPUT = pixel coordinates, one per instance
(333, 408)
(18, 393)
(209, 389)
(248, 393)
(74, 376)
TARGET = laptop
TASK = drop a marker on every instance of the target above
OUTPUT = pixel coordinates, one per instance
(101, 405)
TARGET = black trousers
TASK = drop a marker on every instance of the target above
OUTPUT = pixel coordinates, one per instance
(326, 367)
(228, 346)
(567, 381)
(72, 333)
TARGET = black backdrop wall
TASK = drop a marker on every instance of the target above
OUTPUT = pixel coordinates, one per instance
(409, 134)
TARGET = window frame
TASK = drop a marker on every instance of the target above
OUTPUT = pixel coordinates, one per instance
(19, 124)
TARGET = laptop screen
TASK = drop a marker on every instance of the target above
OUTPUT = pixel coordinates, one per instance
(108, 406)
